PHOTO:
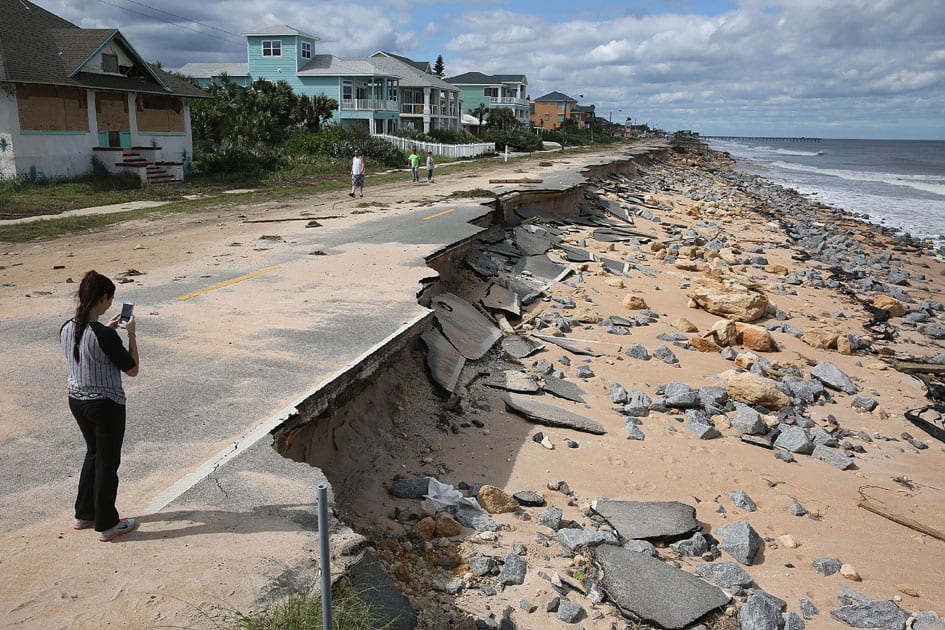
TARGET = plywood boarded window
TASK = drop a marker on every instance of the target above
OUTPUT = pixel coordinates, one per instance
(52, 108)
(158, 113)
(111, 111)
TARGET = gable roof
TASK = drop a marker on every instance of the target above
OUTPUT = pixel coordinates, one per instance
(410, 75)
(422, 66)
(555, 97)
(478, 78)
(279, 29)
(37, 46)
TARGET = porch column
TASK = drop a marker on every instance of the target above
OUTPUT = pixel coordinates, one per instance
(133, 120)
(93, 119)
(426, 110)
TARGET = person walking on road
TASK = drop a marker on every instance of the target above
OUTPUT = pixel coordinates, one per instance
(96, 358)
(414, 161)
(357, 174)
(430, 167)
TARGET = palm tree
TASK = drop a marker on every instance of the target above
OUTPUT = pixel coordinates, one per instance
(480, 113)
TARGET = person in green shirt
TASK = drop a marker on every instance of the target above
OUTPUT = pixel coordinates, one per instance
(414, 160)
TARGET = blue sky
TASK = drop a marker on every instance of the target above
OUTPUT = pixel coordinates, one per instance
(824, 68)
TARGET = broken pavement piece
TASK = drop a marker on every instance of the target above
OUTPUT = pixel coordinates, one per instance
(648, 520)
(563, 389)
(654, 591)
(520, 347)
(481, 263)
(499, 298)
(445, 361)
(549, 414)
(574, 254)
(541, 267)
(580, 346)
(513, 381)
(466, 328)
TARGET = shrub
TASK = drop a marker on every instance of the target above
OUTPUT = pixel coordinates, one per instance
(451, 136)
(229, 157)
(515, 140)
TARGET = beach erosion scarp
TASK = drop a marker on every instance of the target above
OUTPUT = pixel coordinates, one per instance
(737, 344)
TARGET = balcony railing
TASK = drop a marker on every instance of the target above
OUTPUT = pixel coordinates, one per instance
(506, 100)
(371, 105)
(435, 110)
(411, 108)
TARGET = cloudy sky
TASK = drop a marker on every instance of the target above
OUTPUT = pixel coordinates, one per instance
(823, 68)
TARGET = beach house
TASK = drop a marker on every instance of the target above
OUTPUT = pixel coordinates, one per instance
(368, 93)
(427, 102)
(494, 92)
(69, 93)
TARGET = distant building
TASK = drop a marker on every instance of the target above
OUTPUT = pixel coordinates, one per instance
(552, 109)
(427, 102)
(68, 94)
(494, 91)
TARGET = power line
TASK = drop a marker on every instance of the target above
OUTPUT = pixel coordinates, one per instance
(198, 30)
(181, 17)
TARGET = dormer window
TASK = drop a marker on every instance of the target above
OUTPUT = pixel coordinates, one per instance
(306, 50)
(109, 63)
(272, 48)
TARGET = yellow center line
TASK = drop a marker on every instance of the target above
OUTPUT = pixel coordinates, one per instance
(438, 214)
(227, 283)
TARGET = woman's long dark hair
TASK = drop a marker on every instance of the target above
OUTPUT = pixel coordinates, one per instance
(92, 288)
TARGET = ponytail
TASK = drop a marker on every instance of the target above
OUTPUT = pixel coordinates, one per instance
(91, 290)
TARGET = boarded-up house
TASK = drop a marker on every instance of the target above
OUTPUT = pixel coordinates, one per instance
(68, 94)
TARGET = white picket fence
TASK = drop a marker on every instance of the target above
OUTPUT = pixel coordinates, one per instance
(446, 150)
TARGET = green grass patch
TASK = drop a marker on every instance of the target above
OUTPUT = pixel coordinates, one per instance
(304, 612)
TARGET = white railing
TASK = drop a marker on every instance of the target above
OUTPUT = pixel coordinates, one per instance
(369, 104)
(411, 108)
(506, 100)
(446, 150)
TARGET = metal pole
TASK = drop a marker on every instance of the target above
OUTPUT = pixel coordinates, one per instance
(322, 489)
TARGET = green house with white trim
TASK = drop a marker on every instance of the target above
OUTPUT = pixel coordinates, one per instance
(68, 94)
(494, 91)
(368, 95)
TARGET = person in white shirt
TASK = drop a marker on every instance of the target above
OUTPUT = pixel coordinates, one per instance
(357, 174)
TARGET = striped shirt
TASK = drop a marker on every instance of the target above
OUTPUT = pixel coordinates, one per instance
(102, 359)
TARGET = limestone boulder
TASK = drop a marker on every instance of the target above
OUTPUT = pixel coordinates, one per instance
(729, 300)
(446, 526)
(756, 390)
(724, 332)
(755, 338)
(684, 325)
(587, 315)
(495, 501)
(634, 302)
(891, 304)
(820, 339)
(705, 344)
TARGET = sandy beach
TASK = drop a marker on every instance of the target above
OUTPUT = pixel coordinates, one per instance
(694, 205)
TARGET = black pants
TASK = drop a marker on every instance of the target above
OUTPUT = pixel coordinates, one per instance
(102, 423)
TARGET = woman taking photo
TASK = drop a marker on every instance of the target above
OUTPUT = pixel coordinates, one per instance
(96, 359)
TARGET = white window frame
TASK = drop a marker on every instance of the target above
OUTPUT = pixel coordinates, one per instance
(306, 50)
(274, 48)
(490, 92)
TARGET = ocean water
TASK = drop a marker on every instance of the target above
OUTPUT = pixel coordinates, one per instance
(896, 183)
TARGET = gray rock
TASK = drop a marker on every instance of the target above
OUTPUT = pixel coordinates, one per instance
(453, 585)
(551, 517)
(742, 501)
(412, 488)
(642, 546)
(823, 438)
(664, 354)
(584, 371)
(795, 440)
(654, 591)
(927, 621)
(648, 520)
(918, 444)
(712, 396)
(797, 509)
(481, 565)
(680, 395)
(527, 606)
(571, 539)
(617, 393)
(748, 421)
(826, 566)
(808, 609)
(569, 612)
(784, 456)
(860, 611)
(833, 377)
(792, 621)
(703, 431)
(760, 612)
(864, 402)
(727, 575)
(529, 498)
(513, 571)
(639, 352)
(634, 432)
(694, 546)
(740, 541)
(832, 457)
(479, 520)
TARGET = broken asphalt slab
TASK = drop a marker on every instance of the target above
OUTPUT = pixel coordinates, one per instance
(550, 415)
(466, 328)
(648, 520)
